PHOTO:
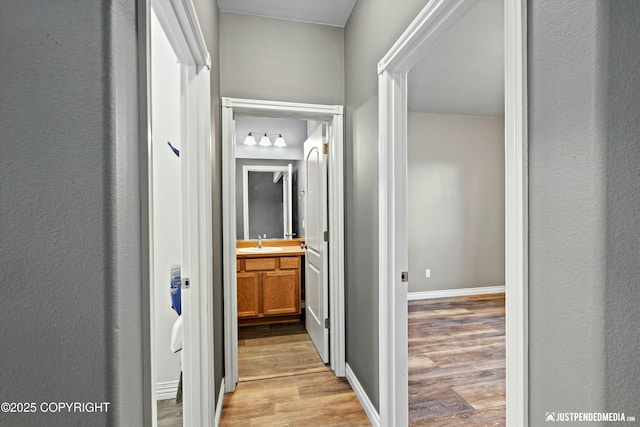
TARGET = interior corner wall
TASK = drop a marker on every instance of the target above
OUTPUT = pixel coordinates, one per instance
(70, 262)
(280, 60)
(209, 18)
(456, 201)
(584, 206)
(373, 27)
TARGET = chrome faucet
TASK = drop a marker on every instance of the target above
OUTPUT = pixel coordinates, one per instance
(259, 241)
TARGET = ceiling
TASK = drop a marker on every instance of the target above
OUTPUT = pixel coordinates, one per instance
(463, 73)
(328, 12)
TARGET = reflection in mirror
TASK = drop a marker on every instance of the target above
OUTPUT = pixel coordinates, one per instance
(266, 201)
(275, 203)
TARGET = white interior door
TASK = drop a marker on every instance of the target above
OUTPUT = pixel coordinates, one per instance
(181, 179)
(316, 259)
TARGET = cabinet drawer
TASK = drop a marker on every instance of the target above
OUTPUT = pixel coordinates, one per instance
(289, 262)
(257, 264)
(237, 265)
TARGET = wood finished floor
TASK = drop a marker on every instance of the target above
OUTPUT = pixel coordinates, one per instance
(315, 399)
(456, 374)
(271, 351)
(169, 413)
(283, 382)
(457, 361)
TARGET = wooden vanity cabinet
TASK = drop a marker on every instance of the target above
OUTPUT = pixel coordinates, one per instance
(268, 290)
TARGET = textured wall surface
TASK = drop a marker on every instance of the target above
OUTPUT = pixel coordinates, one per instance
(69, 206)
(622, 160)
(456, 201)
(278, 60)
(584, 206)
(372, 29)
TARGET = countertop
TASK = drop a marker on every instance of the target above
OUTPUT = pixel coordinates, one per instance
(286, 251)
(289, 247)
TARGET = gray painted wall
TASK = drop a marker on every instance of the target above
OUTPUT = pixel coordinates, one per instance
(371, 30)
(274, 59)
(208, 17)
(584, 208)
(70, 320)
(456, 201)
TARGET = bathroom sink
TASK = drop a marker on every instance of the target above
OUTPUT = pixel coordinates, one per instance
(262, 250)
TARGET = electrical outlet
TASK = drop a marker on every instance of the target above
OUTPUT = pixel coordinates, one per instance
(427, 273)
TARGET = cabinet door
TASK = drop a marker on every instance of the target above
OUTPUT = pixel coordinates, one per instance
(281, 292)
(248, 294)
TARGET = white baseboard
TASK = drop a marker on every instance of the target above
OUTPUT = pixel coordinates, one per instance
(368, 407)
(448, 293)
(167, 390)
(219, 405)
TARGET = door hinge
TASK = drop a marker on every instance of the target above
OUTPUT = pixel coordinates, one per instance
(325, 148)
(326, 323)
(326, 236)
(405, 276)
(186, 283)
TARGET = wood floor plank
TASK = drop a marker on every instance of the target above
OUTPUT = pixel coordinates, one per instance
(461, 344)
(283, 382)
(271, 351)
(332, 404)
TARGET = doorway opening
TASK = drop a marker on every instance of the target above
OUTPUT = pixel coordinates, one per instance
(456, 256)
(176, 174)
(419, 40)
(284, 279)
(278, 312)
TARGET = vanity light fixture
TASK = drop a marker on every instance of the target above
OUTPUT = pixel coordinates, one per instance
(264, 140)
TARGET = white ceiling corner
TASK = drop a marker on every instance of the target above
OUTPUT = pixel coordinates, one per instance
(327, 12)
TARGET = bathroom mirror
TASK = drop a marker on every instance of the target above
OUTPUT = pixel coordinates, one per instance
(267, 201)
(267, 190)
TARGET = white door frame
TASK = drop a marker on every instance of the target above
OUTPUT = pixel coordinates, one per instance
(179, 21)
(392, 69)
(333, 114)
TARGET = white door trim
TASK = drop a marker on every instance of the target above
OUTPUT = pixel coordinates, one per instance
(392, 70)
(179, 21)
(333, 115)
